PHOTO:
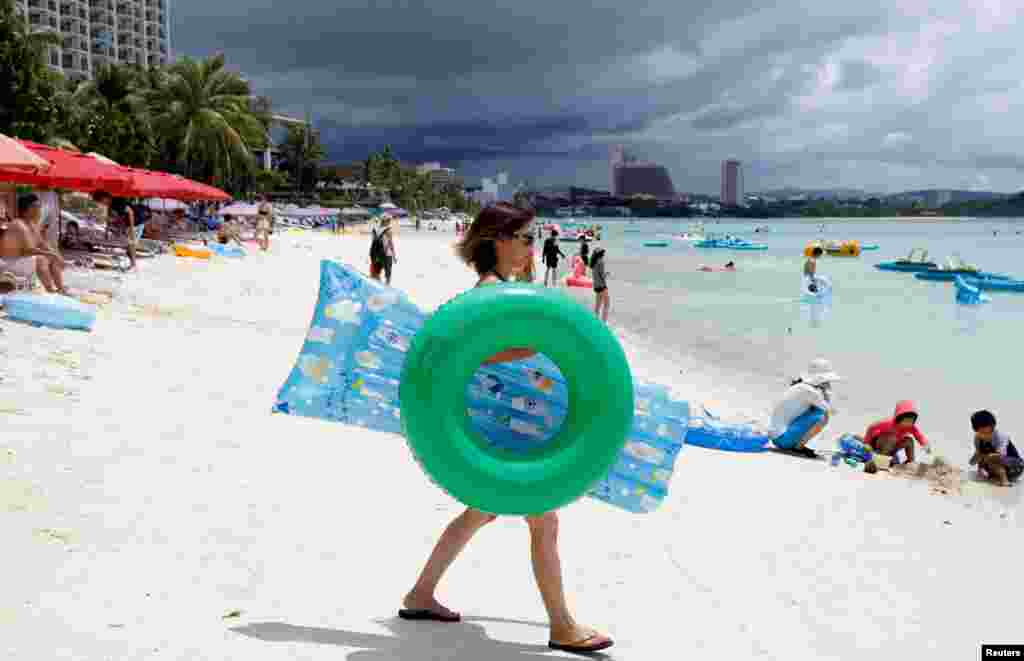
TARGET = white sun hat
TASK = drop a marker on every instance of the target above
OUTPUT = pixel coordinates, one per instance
(819, 372)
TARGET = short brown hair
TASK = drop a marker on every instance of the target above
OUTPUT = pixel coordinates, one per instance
(493, 222)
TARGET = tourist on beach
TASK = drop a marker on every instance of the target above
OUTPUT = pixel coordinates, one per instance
(264, 223)
(229, 231)
(552, 251)
(585, 251)
(812, 390)
(811, 269)
(497, 245)
(382, 251)
(897, 433)
(120, 219)
(994, 452)
(24, 254)
(601, 298)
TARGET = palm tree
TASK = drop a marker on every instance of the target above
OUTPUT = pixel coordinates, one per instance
(204, 111)
(111, 115)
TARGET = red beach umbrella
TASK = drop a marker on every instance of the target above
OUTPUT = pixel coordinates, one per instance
(67, 169)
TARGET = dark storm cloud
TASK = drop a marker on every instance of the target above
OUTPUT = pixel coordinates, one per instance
(549, 84)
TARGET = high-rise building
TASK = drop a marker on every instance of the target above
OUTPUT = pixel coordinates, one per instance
(732, 183)
(94, 32)
(633, 177)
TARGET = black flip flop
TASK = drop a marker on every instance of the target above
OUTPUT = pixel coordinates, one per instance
(579, 647)
(427, 615)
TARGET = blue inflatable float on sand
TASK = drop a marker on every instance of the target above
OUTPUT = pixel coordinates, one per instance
(52, 310)
(707, 431)
(226, 250)
(349, 368)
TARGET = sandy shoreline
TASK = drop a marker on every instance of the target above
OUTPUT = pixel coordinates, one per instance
(147, 495)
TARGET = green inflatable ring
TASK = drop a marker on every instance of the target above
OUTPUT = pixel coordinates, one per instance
(450, 347)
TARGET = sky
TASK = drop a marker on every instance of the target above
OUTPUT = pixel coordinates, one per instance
(874, 95)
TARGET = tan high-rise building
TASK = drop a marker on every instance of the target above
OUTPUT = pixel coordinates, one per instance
(732, 183)
(97, 31)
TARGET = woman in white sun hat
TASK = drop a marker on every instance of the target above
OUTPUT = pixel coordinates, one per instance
(805, 408)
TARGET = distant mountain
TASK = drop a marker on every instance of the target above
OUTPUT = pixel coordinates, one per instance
(939, 197)
(817, 194)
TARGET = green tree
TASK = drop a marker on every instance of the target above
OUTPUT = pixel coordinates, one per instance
(110, 116)
(269, 181)
(204, 112)
(301, 154)
(29, 105)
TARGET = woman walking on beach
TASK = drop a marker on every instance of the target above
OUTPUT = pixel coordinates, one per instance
(602, 300)
(264, 220)
(497, 245)
(382, 252)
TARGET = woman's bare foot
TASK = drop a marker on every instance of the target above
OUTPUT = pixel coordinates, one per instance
(577, 638)
(428, 604)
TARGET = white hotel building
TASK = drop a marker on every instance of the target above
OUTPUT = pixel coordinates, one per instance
(97, 31)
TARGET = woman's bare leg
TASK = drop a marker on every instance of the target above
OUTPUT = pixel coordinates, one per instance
(452, 541)
(547, 570)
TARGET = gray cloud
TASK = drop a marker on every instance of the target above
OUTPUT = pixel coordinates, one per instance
(802, 92)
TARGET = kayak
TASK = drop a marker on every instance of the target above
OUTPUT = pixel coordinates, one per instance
(655, 244)
(869, 246)
(995, 284)
(948, 275)
(905, 266)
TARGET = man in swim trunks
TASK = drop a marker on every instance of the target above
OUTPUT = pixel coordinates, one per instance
(811, 268)
(24, 253)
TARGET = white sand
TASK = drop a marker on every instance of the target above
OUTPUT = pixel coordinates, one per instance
(146, 492)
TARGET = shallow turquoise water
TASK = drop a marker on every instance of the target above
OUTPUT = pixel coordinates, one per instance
(893, 336)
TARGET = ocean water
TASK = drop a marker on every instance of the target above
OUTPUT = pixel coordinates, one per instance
(891, 336)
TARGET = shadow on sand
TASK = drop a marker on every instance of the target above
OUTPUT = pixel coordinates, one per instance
(413, 641)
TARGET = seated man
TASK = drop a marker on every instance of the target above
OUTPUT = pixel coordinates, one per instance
(23, 251)
(897, 433)
(994, 453)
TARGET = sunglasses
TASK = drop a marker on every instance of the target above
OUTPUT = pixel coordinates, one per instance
(527, 238)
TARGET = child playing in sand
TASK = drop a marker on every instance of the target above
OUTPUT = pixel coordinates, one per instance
(994, 452)
(897, 433)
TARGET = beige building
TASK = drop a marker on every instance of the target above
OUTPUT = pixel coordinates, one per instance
(98, 31)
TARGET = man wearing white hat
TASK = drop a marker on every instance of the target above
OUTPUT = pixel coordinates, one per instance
(804, 409)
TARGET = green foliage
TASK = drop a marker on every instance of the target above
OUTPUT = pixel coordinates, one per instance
(29, 107)
(269, 181)
(410, 190)
(301, 154)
